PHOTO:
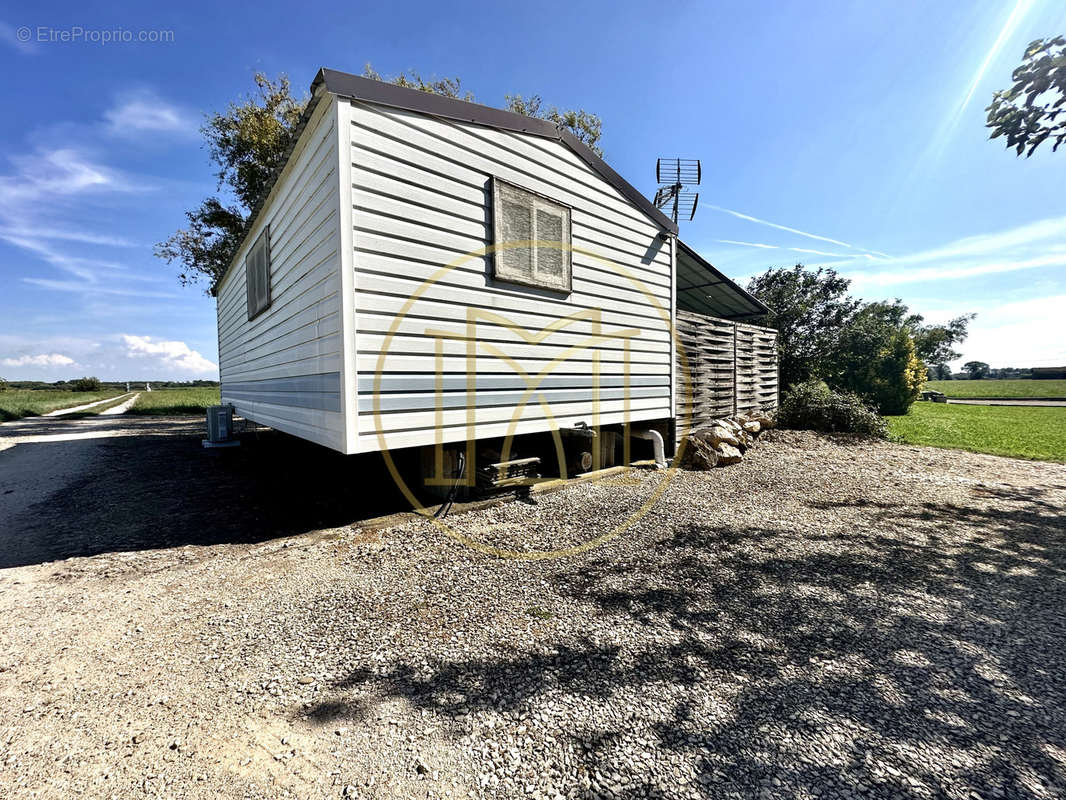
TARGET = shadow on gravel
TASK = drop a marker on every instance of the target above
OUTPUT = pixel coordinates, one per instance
(890, 662)
(157, 487)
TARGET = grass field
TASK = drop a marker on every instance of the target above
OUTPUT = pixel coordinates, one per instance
(1016, 431)
(194, 400)
(978, 390)
(18, 403)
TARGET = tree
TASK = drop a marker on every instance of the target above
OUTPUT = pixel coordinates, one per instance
(1031, 111)
(941, 372)
(875, 350)
(876, 358)
(3, 385)
(85, 385)
(976, 370)
(586, 126)
(448, 87)
(935, 344)
(809, 310)
(247, 143)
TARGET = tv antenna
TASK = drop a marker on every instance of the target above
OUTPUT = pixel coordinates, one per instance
(673, 175)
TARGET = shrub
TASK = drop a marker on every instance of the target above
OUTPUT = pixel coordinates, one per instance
(85, 385)
(814, 406)
(878, 362)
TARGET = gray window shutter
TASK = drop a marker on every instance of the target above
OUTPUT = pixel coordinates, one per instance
(522, 216)
(257, 275)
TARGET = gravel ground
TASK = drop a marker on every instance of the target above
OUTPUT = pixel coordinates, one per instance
(825, 619)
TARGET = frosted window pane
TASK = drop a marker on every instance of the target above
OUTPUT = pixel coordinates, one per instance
(517, 226)
(550, 259)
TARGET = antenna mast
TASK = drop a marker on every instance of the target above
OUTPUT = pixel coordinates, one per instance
(673, 175)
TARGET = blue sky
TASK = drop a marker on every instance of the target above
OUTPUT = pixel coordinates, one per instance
(848, 134)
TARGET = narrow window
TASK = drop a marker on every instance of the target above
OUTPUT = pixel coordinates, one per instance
(257, 275)
(532, 237)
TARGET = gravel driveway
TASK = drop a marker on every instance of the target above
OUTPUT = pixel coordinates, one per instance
(825, 619)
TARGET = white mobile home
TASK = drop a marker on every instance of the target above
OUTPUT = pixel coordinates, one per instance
(428, 270)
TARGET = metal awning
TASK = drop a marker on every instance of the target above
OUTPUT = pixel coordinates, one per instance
(703, 289)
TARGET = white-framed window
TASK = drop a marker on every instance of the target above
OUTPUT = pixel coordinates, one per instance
(520, 215)
(257, 275)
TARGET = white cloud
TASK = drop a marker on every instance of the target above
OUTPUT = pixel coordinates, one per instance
(757, 220)
(109, 357)
(176, 355)
(763, 246)
(145, 112)
(1025, 333)
(45, 233)
(50, 185)
(1030, 246)
(61, 172)
(41, 360)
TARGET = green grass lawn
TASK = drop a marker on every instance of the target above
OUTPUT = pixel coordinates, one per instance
(1016, 431)
(978, 390)
(18, 403)
(193, 400)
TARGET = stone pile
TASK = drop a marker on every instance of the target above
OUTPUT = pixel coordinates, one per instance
(724, 441)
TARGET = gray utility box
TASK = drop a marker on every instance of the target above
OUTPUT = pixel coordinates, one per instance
(219, 424)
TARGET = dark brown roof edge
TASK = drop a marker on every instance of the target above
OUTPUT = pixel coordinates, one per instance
(764, 309)
(389, 94)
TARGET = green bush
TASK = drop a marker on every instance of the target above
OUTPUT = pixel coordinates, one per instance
(814, 406)
(85, 385)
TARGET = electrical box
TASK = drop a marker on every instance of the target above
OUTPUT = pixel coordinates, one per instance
(219, 424)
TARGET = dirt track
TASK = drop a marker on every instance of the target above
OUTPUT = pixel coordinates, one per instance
(822, 620)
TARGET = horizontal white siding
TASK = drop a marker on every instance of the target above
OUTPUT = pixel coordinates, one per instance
(284, 368)
(421, 197)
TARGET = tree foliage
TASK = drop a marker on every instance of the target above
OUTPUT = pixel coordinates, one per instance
(1032, 110)
(876, 350)
(809, 309)
(976, 370)
(247, 143)
(448, 87)
(876, 359)
(586, 126)
(85, 384)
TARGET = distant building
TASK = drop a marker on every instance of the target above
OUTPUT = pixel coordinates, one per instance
(1049, 373)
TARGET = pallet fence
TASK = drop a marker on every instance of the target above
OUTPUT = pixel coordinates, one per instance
(732, 369)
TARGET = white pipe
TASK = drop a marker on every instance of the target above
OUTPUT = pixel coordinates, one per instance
(656, 439)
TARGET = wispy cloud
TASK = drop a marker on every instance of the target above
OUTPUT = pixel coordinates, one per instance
(760, 245)
(1031, 246)
(797, 231)
(144, 112)
(48, 233)
(50, 184)
(763, 246)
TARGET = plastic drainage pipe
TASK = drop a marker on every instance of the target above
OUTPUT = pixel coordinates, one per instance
(656, 440)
